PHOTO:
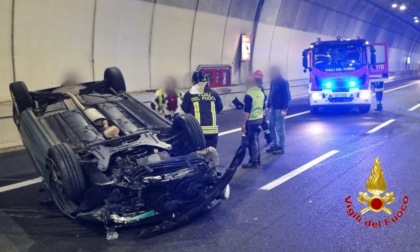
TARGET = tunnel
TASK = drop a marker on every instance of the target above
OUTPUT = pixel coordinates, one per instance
(306, 114)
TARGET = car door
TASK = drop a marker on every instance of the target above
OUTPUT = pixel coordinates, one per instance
(378, 71)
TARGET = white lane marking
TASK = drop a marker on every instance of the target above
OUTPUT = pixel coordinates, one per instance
(298, 171)
(393, 89)
(380, 126)
(20, 184)
(239, 129)
(414, 107)
(229, 131)
(297, 114)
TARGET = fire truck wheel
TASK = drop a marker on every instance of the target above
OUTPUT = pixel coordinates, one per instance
(314, 110)
(364, 109)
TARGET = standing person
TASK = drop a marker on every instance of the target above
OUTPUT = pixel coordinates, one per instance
(258, 76)
(204, 104)
(253, 118)
(168, 99)
(277, 105)
(379, 93)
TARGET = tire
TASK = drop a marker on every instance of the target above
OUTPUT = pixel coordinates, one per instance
(364, 109)
(21, 99)
(314, 110)
(191, 130)
(67, 180)
(114, 78)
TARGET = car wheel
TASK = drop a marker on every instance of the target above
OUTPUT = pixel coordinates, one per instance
(21, 99)
(191, 131)
(364, 109)
(66, 177)
(114, 78)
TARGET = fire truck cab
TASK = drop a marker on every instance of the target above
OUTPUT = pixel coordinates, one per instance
(341, 72)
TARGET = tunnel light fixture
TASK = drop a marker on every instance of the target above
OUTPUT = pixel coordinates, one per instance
(394, 5)
(403, 7)
(416, 21)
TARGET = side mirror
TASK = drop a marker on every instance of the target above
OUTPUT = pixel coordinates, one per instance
(305, 60)
(372, 56)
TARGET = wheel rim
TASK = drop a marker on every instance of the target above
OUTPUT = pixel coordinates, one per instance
(55, 177)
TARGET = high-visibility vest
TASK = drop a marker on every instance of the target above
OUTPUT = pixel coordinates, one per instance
(160, 93)
(258, 97)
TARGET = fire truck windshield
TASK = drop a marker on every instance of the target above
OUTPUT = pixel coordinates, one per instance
(334, 58)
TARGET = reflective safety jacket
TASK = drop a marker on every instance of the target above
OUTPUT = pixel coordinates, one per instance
(203, 104)
(254, 103)
(161, 102)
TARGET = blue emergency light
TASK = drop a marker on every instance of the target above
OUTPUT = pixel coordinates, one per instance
(328, 84)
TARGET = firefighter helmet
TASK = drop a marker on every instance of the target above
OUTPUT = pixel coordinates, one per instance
(199, 76)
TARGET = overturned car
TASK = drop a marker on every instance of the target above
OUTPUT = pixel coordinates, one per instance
(108, 158)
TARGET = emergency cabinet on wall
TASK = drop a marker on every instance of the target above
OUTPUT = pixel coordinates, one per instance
(217, 75)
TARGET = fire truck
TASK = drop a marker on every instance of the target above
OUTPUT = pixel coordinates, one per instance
(342, 70)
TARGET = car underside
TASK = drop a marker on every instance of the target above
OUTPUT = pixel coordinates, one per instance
(106, 157)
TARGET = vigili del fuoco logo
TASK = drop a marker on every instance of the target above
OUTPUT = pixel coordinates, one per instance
(373, 201)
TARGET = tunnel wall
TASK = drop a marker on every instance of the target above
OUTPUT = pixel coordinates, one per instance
(150, 39)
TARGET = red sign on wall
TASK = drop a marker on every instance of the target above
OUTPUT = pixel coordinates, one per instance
(217, 75)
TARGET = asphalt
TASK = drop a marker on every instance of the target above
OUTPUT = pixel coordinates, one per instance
(306, 213)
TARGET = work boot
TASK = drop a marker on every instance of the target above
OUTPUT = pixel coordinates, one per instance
(379, 107)
(267, 137)
(272, 149)
(278, 151)
(250, 165)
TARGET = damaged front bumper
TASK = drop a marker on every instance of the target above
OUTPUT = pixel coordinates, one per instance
(200, 187)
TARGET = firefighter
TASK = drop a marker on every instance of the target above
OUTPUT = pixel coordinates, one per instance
(204, 104)
(258, 76)
(168, 99)
(253, 117)
(379, 92)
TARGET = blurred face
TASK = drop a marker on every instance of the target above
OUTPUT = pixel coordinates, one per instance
(274, 72)
(250, 82)
(170, 84)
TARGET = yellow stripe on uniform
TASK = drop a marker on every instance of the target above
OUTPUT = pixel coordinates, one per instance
(213, 112)
(208, 130)
(197, 111)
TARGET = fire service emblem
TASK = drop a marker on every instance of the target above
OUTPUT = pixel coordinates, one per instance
(376, 200)
(376, 185)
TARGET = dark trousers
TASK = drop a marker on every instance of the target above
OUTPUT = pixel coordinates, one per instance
(211, 140)
(379, 91)
(252, 131)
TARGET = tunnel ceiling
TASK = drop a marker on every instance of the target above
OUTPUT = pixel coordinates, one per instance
(375, 20)
(413, 9)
